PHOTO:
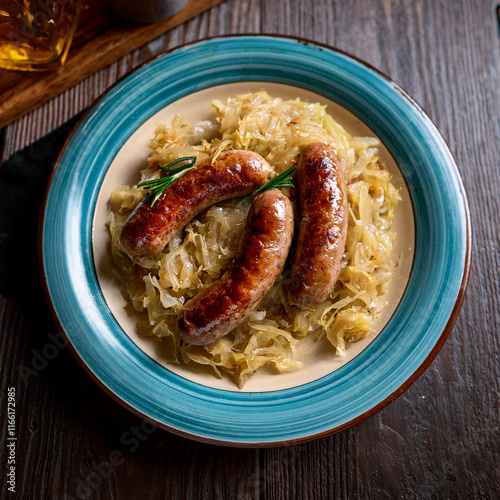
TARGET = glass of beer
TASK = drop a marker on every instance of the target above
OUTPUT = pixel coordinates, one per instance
(35, 35)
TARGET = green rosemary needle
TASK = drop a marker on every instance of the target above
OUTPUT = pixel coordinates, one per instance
(278, 182)
(157, 186)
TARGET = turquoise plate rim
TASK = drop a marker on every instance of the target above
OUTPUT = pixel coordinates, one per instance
(403, 350)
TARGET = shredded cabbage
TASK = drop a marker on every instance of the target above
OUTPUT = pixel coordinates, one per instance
(200, 253)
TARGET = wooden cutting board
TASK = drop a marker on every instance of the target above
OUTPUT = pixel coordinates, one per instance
(100, 39)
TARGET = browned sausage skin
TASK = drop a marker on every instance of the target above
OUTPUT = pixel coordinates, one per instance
(263, 250)
(322, 229)
(149, 228)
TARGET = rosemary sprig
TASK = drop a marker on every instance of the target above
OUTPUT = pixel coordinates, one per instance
(278, 182)
(157, 186)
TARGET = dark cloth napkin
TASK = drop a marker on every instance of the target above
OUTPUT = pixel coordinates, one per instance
(23, 180)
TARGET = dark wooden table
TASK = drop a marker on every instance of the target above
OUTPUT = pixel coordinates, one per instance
(440, 439)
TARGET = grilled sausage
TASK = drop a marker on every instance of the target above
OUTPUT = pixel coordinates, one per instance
(322, 229)
(149, 228)
(218, 309)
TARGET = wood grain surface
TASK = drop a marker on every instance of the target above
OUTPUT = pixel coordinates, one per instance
(100, 39)
(440, 439)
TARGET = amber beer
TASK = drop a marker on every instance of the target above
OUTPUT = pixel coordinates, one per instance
(35, 35)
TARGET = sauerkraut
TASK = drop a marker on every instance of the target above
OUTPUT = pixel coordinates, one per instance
(200, 253)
